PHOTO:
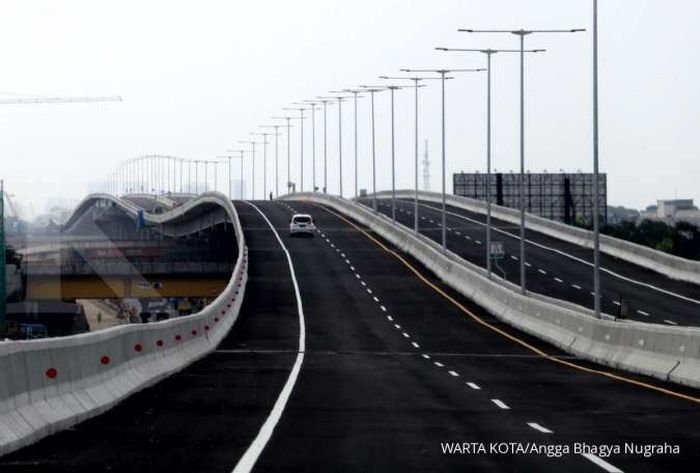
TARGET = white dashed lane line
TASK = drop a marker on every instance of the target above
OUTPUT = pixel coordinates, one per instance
(453, 373)
(500, 404)
(576, 286)
(539, 428)
(670, 322)
(426, 356)
(558, 280)
(389, 318)
(601, 463)
(415, 345)
(383, 308)
(542, 271)
(474, 386)
(398, 327)
(406, 335)
(641, 312)
(439, 365)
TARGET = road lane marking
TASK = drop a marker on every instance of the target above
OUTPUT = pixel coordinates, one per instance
(500, 404)
(406, 335)
(375, 299)
(415, 345)
(542, 271)
(251, 455)
(383, 308)
(369, 291)
(426, 356)
(558, 280)
(474, 386)
(576, 286)
(454, 373)
(439, 365)
(539, 428)
(670, 322)
(514, 338)
(641, 312)
(601, 463)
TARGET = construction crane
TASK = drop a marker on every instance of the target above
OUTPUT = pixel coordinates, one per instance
(37, 100)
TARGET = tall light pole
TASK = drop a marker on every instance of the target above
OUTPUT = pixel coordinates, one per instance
(392, 89)
(264, 143)
(277, 167)
(252, 160)
(372, 91)
(340, 99)
(325, 101)
(242, 152)
(443, 74)
(522, 33)
(301, 110)
(488, 53)
(313, 104)
(228, 157)
(289, 149)
(355, 93)
(416, 85)
(596, 190)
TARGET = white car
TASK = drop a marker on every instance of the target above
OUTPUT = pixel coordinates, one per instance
(302, 224)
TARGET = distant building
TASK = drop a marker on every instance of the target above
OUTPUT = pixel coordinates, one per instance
(621, 214)
(672, 211)
(566, 197)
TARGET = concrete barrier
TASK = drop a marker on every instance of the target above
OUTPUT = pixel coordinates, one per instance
(48, 385)
(669, 265)
(666, 353)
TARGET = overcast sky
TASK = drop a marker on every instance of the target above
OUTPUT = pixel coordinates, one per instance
(196, 77)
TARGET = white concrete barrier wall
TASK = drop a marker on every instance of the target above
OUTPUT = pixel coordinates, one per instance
(669, 265)
(667, 353)
(48, 385)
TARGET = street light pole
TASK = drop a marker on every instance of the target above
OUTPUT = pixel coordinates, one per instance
(372, 91)
(277, 134)
(596, 190)
(301, 143)
(241, 151)
(443, 76)
(340, 99)
(488, 53)
(313, 104)
(265, 142)
(521, 33)
(252, 159)
(355, 93)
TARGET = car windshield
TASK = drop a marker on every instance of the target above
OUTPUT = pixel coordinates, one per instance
(302, 219)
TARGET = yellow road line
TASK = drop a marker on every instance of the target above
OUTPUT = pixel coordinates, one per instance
(507, 335)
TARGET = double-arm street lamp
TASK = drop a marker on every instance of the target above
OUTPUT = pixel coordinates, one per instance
(313, 104)
(443, 74)
(488, 53)
(289, 148)
(252, 165)
(241, 153)
(301, 142)
(521, 33)
(416, 85)
(277, 170)
(340, 99)
(355, 93)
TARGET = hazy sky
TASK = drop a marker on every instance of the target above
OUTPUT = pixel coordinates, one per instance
(196, 77)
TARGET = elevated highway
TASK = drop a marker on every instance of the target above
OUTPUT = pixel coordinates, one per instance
(557, 268)
(348, 355)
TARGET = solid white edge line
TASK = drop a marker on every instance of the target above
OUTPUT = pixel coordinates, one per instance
(539, 428)
(251, 455)
(601, 463)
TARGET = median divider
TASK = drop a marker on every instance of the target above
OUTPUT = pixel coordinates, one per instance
(666, 353)
(51, 384)
(669, 265)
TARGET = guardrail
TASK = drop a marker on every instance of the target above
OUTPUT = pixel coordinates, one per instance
(667, 353)
(669, 265)
(48, 385)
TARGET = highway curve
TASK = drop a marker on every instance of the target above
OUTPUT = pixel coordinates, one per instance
(395, 364)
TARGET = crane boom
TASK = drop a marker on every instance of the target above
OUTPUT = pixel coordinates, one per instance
(36, 100)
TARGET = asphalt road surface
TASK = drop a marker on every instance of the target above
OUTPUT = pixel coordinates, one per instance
(395, 368)
(556, 268)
